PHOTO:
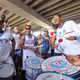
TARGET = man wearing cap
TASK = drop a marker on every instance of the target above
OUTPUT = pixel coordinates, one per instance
(70, 34)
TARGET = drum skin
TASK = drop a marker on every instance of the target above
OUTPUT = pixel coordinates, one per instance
(6, 71)
(59, 64)
(53, 76)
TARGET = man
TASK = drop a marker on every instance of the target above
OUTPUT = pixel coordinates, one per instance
(69, 32)
(18, 51)
(5, 47)
(17, 37)
(27, 44)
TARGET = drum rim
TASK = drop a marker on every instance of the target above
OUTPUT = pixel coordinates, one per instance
(44, 61)
(74, 74)
(54, 72)
(50, 58)
(13, 68)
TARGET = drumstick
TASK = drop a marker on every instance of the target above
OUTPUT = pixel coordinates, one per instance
(61, 52)
(59, 41)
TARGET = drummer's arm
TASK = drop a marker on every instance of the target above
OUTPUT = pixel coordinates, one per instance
(22, 44)
(76, 30)
(53, 40)
(23, 32)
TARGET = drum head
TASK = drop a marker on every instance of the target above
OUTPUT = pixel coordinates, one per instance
(34, 62)
(59, 64)
(6, 70)
(52, 76)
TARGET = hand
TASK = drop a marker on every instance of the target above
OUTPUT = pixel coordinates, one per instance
(75, 60)
(55, 45)
(34, 48)
(71, 38)
(23, 31)
(30, 47)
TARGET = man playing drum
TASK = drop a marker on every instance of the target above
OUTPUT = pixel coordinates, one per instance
(4, 35)
(8, 68)
(70, 34)
(27, 44)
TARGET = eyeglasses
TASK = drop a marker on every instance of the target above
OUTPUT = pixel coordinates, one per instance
(28, 28)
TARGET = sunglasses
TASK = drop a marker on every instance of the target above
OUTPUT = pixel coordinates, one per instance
(28, 28)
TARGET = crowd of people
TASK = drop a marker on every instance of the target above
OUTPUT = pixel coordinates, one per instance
(25, 44)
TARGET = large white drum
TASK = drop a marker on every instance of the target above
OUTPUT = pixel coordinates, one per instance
(33, 67)
(52, 76)
(5, 49)
(59, 64)
(6, 71)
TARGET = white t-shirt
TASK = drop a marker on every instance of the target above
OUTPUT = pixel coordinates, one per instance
(69, 28)
(17, 40)
(79, 26)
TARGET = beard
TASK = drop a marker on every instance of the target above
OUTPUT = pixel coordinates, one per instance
(29, 33)
(55, 26)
